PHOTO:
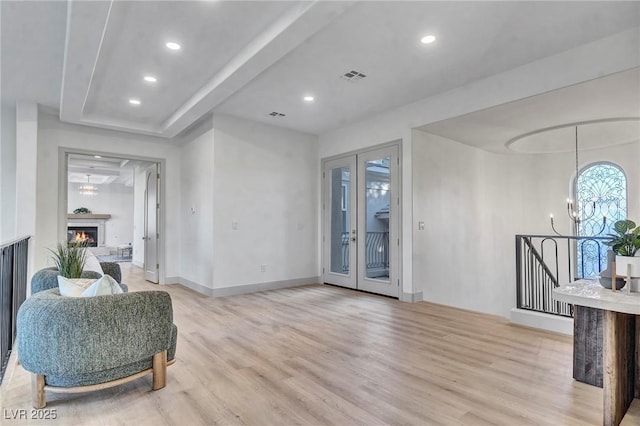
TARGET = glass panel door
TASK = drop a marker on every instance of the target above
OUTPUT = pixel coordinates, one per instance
(340, 230)
(361, 221)
(376, 225)
(378, 221)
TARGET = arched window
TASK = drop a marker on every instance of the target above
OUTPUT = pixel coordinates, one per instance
(601, 189)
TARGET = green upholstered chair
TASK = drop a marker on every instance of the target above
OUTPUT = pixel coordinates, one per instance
(47, 278)
(79, 344)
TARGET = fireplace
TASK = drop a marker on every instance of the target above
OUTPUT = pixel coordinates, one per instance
(91, 224)
(85, 234)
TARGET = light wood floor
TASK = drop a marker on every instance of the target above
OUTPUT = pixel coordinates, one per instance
(317, 355)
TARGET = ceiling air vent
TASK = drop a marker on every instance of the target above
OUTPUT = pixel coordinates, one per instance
(277, 114)
(353, 76)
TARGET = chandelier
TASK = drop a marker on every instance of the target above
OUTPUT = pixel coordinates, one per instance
(573, 211)
(88, 189)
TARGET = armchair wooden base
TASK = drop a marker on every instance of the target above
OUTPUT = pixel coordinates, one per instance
(159, 371)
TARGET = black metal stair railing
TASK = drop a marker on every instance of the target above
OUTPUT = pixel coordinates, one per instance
(547, 261)
(14, 258)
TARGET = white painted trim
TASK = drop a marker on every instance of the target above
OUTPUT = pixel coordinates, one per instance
(138, 264)
(542, 321)
(411, 297)
(242, 289)
(190, 284)
(274, 285)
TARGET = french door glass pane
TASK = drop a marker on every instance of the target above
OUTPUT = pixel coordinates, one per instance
(340, 225)
(377, 196)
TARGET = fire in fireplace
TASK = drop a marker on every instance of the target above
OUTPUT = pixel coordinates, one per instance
(83, 234)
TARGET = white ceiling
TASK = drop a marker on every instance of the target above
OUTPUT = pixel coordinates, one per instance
(606, 110)
(248, 59)
(102, 170)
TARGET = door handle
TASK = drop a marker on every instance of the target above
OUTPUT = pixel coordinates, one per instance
(145, 238)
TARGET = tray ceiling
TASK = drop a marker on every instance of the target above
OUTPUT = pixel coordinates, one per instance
(253, 59)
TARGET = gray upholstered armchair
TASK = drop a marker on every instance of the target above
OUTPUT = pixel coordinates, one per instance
(78, 344)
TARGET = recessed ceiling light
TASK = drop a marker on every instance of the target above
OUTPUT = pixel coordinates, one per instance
(428, 39)
(150, 78)
(133, 101)
(97, 156)
(173, 45)
(309, 98)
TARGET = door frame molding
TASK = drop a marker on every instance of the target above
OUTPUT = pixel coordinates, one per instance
(151, 172)
(63, 196)
(395, 143)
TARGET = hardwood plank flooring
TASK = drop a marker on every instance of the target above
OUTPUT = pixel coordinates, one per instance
(322, 355)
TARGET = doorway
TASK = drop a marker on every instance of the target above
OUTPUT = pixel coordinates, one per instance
(361, 238)
(120, 198)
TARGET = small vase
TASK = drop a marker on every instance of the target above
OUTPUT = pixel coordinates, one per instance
(605, 276)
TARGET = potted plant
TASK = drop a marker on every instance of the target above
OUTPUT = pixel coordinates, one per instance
(625, 243)
(69, 259)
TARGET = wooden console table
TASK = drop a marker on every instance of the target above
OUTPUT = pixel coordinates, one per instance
(621, 341)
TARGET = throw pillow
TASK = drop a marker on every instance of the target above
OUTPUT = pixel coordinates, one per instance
(105, 285)
(91, 262)
(73, 287)
(87, 287)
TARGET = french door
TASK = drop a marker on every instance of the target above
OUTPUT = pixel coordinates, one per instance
(361, 221)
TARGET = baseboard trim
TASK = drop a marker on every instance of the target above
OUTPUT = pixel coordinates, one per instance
(411, 297)
(207, 291)
(138, 264)
(241, 289)
(542, 321)
(273, 285)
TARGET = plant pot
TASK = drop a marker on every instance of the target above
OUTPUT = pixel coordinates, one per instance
(629, 265)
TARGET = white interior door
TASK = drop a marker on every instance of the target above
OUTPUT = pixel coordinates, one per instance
(151, 233)
(361, 221)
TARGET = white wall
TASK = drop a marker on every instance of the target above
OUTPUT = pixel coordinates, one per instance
(473, 204)
(26, 148)
(52, 134)
(552, 185)
(266, 182)
(26, 206)
(577, 65)
(196, 207)
(465, 255)
(8, 172)
(114, 199)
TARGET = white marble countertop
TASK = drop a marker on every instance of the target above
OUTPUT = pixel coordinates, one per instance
(590, 293)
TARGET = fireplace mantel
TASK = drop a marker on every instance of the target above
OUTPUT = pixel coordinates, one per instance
(88, 216)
